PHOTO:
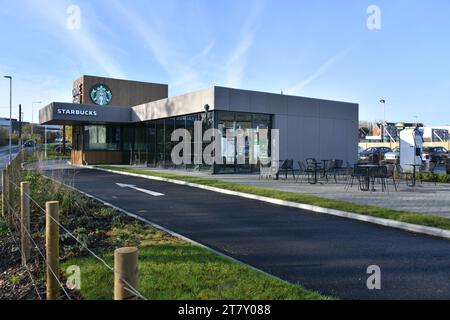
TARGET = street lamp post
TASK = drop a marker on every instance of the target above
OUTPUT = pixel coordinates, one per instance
(32, 119)
(10, 116)
(383, 101)
(45, 141)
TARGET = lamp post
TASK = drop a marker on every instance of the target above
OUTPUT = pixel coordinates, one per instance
(45, 142)
(383, 101)
(32, 116)
(32, 122)
(10, 116)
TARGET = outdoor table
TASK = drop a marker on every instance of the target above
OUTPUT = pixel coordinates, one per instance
(367, 177)
(414, 178)
(316, 168)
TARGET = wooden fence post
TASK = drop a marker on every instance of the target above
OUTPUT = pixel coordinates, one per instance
(52, 249)
(125, 268)
(25, 221)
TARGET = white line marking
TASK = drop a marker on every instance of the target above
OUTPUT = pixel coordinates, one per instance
(131, 186)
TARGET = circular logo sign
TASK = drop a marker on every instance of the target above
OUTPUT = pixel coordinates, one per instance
(101, 94)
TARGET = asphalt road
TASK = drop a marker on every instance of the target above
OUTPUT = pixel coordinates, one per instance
(4, 155)
(323, 253)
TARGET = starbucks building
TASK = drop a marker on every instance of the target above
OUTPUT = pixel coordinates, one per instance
(128, 122)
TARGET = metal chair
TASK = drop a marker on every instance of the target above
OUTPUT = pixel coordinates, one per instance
(357, 173)
(302, 171)
(379, 173)
(401, 174)
(286, 167)
(390, 174)
(265, 171)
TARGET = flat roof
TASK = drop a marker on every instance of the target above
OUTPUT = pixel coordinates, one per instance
(218, 98)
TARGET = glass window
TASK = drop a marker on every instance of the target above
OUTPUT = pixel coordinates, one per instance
(151, 140)
(229, 122)
(160, 142)
(101, 138)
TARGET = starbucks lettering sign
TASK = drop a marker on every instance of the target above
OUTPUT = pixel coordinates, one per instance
(101, 95)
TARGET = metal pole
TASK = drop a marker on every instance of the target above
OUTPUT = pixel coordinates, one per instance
(32, 121)
(4, 197)
(45, 141)
(383, 101)
(10, 119)
(10, 116)
(20, 126)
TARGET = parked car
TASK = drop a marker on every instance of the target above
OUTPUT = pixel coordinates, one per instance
(435, 154)
(393, 157)
(374, 155)
(29, 144)
(360, 149)
(60, 149)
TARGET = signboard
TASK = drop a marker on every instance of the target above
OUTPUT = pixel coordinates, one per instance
(101, 94)
(77, 94)
(411, 145)
(76, 112)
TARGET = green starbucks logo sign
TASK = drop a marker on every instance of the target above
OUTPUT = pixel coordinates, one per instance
(101, 94)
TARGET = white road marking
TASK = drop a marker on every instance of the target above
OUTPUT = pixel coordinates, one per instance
(131, 186)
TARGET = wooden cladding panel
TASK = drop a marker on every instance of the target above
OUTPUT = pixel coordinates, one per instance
(96, 157)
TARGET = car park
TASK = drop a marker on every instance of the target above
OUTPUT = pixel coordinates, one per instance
(435, 154)
(374, 155)
(29, 144)
(60, 149)
(393, 157)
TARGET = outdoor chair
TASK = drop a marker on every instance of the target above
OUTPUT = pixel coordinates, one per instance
(265, 171)
(286, 167)
(335, 169)
(302, 171)
(380, 174)
(390, 174)
(357, 173)
(341, 170)
(401, 174)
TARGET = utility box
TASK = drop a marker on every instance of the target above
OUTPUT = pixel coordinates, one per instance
(411, 146)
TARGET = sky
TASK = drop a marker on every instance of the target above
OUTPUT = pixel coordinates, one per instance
(321, 49)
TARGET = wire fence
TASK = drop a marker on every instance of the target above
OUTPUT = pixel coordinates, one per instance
(11, 192)
(20, 226)
(30, 275)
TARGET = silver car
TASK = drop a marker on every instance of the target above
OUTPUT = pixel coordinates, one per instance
(393, 156)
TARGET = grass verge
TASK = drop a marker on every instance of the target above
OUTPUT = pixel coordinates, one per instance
(374, 211)
(176, 270)
(169, 268)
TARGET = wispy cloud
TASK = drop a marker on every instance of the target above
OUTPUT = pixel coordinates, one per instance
(324, 68)
(87, 43)
(182, 70)
(237, 62)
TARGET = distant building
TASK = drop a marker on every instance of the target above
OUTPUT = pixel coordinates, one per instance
(373, 132)
(4, 123)
(436, 134)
